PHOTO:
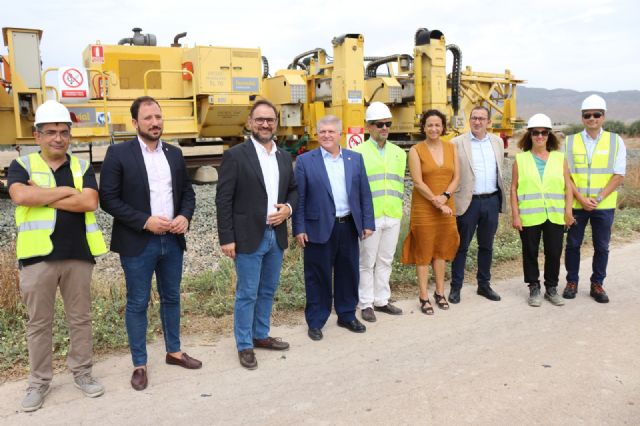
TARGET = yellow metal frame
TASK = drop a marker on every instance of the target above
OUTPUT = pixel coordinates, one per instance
(193, 89)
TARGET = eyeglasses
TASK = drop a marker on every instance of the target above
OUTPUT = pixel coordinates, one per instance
(261, 120)
(588, 115)
(51, 134)
(539, 133)
(478, 118)
(381, 124)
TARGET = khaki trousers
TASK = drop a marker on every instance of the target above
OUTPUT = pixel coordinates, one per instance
(38, 284)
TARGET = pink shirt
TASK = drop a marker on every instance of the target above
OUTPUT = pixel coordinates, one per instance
(159, 175)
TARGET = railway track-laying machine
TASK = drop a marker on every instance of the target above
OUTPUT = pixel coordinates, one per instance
(206, 92)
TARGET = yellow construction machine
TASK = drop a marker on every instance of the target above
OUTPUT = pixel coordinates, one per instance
(345, 85)
(204, 91)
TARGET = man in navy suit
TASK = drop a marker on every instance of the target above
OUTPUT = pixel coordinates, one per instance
(145, 187)
(255, 196)
(334, 210)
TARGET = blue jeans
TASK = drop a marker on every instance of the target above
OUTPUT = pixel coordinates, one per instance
(482, 215)
(258, 277)
(163, 255)
(601, 223)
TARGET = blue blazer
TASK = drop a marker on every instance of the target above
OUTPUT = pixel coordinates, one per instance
(124, 194)
(316, 212)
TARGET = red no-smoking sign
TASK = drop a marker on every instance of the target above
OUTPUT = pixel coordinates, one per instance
(72, 83)
(355, 136)
(73, 78)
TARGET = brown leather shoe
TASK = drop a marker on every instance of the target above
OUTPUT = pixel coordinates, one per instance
(273, 343)
(139, 379)
(248, 359)
(184, 361)
(598, 293)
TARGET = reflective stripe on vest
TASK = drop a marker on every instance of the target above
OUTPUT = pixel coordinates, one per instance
(386, 177)
(541, 199)
(591, 177)
(36, 224)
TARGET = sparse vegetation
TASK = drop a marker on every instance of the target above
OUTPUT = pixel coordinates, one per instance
(212, 293)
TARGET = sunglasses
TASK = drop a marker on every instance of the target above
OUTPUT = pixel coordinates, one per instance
(539, 133)
(588, 115)
(381, 124)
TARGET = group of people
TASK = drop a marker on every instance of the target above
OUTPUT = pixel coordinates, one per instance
(346, 208)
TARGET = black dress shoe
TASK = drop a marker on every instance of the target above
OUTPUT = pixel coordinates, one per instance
(353, 325)
(454, 295)
(315, 333)
(488, 292)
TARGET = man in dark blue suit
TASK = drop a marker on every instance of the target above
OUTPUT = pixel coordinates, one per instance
(145, 187)
(334, 210)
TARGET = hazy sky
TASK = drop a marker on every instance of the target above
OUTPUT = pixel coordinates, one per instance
(582, 45)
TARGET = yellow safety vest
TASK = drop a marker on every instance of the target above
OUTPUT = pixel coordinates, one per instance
(36, 224)
(386, 177)
(541, 199)
(591, 177)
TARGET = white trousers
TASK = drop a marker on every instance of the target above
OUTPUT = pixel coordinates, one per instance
(376, 256)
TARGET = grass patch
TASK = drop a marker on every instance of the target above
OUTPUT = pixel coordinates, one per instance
(212, 294)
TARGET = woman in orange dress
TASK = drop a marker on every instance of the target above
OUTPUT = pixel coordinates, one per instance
(433, 235)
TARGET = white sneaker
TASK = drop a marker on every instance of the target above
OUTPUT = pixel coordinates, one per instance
(88, 385)
(34, 398)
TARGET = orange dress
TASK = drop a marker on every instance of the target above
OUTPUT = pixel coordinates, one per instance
(432, 235)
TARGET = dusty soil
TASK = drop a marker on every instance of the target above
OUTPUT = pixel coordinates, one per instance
(481, 362)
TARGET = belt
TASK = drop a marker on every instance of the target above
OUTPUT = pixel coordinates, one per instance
(481, 196)
(344, 219)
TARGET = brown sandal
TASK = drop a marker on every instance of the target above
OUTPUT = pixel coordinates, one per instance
(427, 310)
(441, 301)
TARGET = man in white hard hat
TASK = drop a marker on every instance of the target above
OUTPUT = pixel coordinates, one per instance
(385, 164)
(480, 199)
(56, 194)
(597, 162)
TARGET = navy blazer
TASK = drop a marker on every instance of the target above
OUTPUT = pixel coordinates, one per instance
(124, 194)
(316, 212)
(241, 197)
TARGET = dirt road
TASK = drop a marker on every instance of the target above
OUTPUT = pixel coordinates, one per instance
(479, 363)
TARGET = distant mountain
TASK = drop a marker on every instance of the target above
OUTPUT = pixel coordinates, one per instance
(563, 105)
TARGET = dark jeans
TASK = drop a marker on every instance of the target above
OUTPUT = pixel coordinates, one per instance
(162, 255)
(601, 223)
(552, 236)
(337, 262)
(482, 214)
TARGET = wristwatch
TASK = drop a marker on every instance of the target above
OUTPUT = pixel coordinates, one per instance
(447, 194)
(598, 198)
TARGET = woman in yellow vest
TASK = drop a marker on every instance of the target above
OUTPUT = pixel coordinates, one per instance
(541, 201)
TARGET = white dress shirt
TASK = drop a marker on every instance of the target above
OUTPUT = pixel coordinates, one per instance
(159, 175)
(270, 173)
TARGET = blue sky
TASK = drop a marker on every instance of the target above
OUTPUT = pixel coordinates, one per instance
(583, 45)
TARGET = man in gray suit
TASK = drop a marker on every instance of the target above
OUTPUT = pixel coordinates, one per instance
(479, 200)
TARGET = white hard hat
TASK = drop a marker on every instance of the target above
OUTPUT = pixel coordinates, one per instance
(377, 111)
(594, 102)
(52, 112)
(539, 120)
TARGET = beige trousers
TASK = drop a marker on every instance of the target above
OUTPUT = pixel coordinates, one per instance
(38, 284)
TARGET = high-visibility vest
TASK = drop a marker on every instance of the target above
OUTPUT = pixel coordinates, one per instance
(386, 177)
(591, 177)
(36, 224)
(540, 199)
